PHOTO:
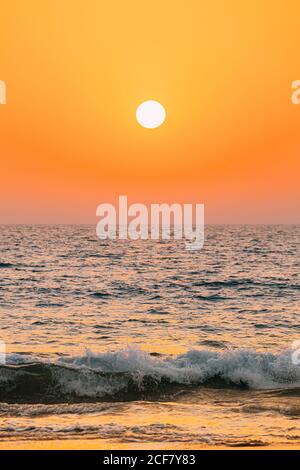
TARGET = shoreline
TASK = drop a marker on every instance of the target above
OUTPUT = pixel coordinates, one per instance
(103, 445)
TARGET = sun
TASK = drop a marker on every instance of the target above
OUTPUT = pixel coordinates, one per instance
(150, 114)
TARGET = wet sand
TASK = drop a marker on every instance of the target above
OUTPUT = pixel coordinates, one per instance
(96, 444)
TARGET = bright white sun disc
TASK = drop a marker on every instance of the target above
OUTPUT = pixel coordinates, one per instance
(150, 114)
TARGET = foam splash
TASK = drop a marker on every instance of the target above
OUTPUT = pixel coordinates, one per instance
(131, 374)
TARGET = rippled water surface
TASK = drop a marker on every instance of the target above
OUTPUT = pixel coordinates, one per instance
(139, 342)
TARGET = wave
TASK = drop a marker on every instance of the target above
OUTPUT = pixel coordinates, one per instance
(246, 284)
(133, 374)
(6, 265)
(155, 432)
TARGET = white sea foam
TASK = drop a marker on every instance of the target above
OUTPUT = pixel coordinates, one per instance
(257, 370)
(133, 371)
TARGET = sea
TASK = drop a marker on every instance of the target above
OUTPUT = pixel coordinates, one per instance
(144, 344)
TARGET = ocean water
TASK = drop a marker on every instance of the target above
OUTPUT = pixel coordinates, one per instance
(143, 343)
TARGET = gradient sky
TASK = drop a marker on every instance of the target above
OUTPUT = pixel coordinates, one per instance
(76, 71)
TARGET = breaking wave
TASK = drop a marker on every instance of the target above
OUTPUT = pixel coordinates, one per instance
(133, 374)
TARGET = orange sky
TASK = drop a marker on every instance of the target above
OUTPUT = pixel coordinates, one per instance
(76, 71)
